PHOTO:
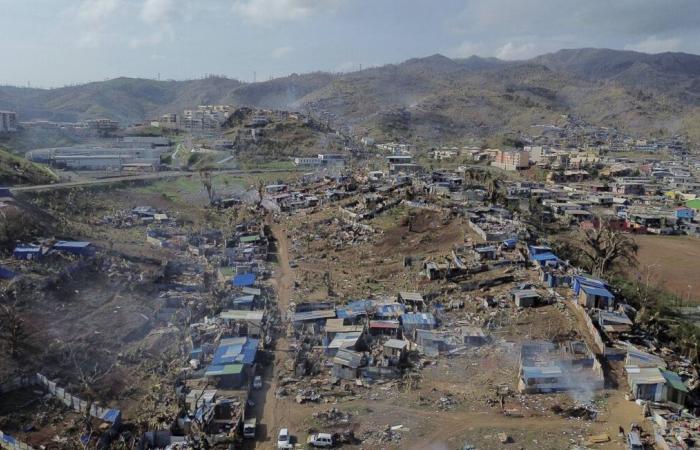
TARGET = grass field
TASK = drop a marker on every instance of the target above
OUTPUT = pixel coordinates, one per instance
(670, 262)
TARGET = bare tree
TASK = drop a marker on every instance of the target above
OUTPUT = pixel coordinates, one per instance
(12, 328)
(89, 375)
(206, 178)
(603, 246)
(261, 191)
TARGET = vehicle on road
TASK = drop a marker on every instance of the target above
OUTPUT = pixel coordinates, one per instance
(257, 382)
(322, 440)
(249, 427)
(284, 441)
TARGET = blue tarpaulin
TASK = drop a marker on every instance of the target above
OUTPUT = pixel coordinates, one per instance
(547, 256)
(510, 243)
(6, 274)
(389, 310)
(246, 279)
(597, 291)
(355, 309)
(236, 350)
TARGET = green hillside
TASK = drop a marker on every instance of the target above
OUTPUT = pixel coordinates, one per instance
(15, 170)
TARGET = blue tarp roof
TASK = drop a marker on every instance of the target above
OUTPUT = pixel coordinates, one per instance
(236, 350)
(354, 309)
(597, 291)
(540, 372)
(547, 256)
(246, 279)
(418, 318)
(9, 439)
(6, 274)
(112, 415)
(390, 310)
(27, 249)
(534, 249)
(588, 281)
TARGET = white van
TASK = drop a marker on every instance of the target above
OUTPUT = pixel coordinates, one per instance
(249, 427)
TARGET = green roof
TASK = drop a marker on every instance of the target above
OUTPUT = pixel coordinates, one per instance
(253, 238)
(695, 203)
(227, 369)
(674, 380)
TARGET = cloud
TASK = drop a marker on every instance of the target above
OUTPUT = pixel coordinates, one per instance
(467, 49)
(511, 51)
(652, 44)
(264, 12)
(93, 16)
(160, 16)
(158, 11)
(281, 52)
(97, 11)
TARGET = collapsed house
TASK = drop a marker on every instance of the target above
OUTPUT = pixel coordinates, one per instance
(547, 367)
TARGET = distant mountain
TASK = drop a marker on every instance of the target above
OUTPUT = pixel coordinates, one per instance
(422, 99)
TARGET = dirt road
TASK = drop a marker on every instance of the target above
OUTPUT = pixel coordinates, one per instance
(146, 177)
(273, 413)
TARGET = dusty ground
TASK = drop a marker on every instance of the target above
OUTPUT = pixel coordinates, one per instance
(469, 380)
(671, 262)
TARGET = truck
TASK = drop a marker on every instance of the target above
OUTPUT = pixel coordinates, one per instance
(249, 427)
(284, 441)
(323, 440)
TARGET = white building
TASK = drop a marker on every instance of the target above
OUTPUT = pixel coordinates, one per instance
(8, 121)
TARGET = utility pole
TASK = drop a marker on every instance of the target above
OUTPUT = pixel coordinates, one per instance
(255, 75)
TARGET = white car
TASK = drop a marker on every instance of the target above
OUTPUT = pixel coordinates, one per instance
(257, 382)
(284, 441)
(320, 440)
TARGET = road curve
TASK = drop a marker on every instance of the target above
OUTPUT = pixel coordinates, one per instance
(150, 176)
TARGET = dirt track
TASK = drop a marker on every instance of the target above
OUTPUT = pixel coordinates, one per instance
(275, 413)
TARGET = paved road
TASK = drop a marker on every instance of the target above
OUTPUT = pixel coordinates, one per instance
(150, 176)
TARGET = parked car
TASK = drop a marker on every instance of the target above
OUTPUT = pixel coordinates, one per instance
(249, 427)
(324, 440)
(284, 441)
(257, 382)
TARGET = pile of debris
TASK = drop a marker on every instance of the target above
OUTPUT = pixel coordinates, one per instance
(386, 435)
(584, 412)
(333, 417)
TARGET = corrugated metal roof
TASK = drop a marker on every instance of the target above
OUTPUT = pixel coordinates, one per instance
(384, 324)
(242, 315)
(71, 244)
(217, 370)
(411, 296)
(644, 375)
(344, 340)
(418, 318)
(396, 343)
(313, 315)
(674, 380)
(541, 371)
(348, 358)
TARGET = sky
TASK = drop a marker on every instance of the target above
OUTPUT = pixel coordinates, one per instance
(51, 43)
